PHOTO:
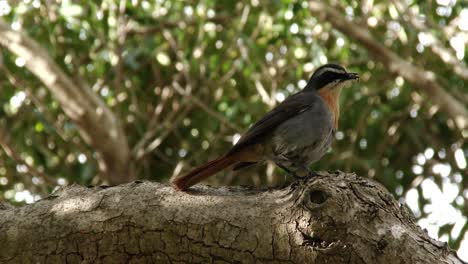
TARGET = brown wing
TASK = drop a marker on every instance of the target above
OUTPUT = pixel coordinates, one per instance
(290, 107)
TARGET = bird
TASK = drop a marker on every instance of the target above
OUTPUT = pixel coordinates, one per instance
(294, 134)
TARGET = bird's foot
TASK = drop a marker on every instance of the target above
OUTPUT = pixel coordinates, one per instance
(297, 177)
(304, 174)
(335, 172)
(312, 174)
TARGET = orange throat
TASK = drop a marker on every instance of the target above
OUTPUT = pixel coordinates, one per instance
(331, 97)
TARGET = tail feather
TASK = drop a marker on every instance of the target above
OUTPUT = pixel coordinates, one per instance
(242, 165)
(203, 172)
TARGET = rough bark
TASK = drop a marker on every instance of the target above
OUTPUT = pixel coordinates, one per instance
(331, 218)
(423, 80)
(98, 126)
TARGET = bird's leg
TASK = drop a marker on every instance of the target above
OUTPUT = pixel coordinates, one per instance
(285, 169)
(295, 169)
(297, 172)
(312, 173)
(309, 173)
(302, 171)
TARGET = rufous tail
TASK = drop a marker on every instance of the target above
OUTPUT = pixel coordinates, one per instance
(204, 171)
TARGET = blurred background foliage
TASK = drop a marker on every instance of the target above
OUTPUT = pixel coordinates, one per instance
(185, 78)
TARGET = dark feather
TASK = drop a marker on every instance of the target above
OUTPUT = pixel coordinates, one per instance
(290, 107)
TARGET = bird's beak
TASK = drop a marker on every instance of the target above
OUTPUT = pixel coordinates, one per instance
(351, 76)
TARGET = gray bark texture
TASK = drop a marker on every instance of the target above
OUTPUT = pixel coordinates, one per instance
(331, 218)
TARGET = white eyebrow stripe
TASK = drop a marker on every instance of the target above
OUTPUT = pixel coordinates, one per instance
(328, 69)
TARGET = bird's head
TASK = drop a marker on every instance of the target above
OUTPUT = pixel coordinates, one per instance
(330, 77)
(328, 81)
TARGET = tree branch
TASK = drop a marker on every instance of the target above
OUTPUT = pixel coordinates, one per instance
(98, 126)
(36, 101)
(410, 16)
(332, 218)
(14, 155)
(178, 88)
(425, 81)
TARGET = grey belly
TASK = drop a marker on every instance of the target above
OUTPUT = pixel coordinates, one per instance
(305, 152)
(301, 141)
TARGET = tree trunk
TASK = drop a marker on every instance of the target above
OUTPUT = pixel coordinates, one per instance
(331, 218)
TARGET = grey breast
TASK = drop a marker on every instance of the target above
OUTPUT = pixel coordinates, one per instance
(306, 137)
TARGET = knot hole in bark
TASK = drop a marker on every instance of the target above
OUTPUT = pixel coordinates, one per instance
(318, 196)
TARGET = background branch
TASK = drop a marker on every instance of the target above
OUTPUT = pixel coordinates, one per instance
(14, 155)
(98, 126)
(414, 19)
(424, 80)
